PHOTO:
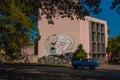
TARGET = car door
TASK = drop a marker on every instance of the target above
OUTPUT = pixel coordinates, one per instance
(84, 63)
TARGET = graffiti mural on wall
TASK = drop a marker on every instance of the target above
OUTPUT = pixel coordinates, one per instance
(58, 44)
(58, 49)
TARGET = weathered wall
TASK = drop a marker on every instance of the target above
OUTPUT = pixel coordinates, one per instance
(78, 30)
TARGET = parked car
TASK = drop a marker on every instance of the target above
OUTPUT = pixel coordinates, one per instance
(86, 62)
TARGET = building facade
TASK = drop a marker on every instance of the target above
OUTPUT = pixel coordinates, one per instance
(65, 35)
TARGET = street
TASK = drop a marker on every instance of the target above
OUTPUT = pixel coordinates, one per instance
(41, 72)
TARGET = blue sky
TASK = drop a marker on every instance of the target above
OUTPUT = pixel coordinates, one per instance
(111, 16)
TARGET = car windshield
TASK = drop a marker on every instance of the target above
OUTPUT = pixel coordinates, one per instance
(87, 60)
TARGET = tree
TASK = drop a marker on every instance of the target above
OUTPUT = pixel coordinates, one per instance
(18, 18)
(14, 27)
(113, 49)
(79, 53)
(68, 8)
(116, 5)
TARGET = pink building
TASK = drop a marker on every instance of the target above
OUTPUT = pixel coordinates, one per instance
(65, 35)
(28, 50)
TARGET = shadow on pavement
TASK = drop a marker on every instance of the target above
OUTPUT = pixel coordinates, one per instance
(38, 72)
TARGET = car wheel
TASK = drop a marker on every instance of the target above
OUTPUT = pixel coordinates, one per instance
(75, 67)
(82, 67)
(91, 67)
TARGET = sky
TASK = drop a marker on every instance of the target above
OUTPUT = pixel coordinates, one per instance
(111, 16)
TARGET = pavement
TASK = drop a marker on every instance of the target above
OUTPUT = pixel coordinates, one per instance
(109, 66)
(57, 72)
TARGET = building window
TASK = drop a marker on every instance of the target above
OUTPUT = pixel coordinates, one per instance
(98, 48)
(98, 27)
(102, 28)
(102, 37)
(103, 48)
(93, 36)
(93, 26)
(98, 37)
(94, 47)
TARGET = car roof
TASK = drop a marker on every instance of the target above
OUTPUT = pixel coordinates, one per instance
(86, 59)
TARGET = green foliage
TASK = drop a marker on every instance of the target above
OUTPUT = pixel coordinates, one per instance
(67, 8)
(114, 46)
(80, 53)
(14, 27)
(113, 49)
(116, 5)
(18, 18)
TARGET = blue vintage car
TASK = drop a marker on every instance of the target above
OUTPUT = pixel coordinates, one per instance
(86, 62)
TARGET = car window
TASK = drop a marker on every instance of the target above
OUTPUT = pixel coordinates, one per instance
(84, 60)
(89, 60)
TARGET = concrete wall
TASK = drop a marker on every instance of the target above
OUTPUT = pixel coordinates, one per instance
(28, 50)
(61, 26)
(78, 30)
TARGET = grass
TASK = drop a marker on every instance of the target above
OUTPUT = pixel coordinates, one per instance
(37, 64)
(59, 65)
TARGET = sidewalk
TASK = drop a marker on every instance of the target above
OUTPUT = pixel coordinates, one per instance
(109, 66)
(102, 66)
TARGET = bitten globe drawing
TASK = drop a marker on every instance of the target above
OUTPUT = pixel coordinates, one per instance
(58, 44)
